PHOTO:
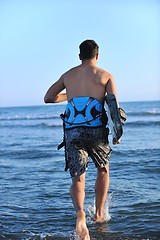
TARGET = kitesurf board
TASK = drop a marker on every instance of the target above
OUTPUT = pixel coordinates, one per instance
(114, 117)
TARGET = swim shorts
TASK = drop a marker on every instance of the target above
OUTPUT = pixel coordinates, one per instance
(84, 142)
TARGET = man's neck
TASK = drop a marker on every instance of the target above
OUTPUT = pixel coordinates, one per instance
(89, 62)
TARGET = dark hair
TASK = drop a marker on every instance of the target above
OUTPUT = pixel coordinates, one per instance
(88, 49)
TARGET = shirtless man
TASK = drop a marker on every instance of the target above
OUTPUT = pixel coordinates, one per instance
(86, 134)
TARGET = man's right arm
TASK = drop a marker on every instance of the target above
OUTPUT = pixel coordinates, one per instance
(53, 94)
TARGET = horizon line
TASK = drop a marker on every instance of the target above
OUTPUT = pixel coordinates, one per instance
(64, 103)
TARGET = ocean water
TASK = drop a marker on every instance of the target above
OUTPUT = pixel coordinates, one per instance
(34, 189)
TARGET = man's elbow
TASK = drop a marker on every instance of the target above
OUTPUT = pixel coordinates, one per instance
(46, 100)
(49, 100)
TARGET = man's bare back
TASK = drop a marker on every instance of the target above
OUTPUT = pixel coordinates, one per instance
(86, 80)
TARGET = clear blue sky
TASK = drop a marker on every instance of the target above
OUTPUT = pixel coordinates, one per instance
(39, 41)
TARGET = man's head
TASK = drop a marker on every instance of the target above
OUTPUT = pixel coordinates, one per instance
(88, 50)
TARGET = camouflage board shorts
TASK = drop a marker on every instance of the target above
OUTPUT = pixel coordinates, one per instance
(84, 142)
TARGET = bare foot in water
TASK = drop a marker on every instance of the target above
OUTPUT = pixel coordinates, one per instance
(81, 227)
(98, 219)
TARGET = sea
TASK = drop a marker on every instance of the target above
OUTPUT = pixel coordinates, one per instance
(35, 202)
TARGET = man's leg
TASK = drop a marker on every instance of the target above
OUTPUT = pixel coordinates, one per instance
(77, 192)
(101, 190)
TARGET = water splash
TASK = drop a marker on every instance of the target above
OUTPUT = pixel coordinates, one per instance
(73, 236)
(91, 210)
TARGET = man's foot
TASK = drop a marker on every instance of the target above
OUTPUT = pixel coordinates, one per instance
(98, 219)
(81, 227)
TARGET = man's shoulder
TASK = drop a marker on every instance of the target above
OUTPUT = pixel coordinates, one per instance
(71, 70)
(103, 72)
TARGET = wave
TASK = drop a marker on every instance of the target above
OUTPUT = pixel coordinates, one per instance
(36, 125)
(59, 123)
(142, 123)
(144, 113)
(150, 152)
(30, 154)
(134, 112)
(28, 117)
(52, 125)
(29, 235)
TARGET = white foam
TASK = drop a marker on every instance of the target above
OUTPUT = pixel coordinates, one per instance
(91, 210)
(73, 236)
